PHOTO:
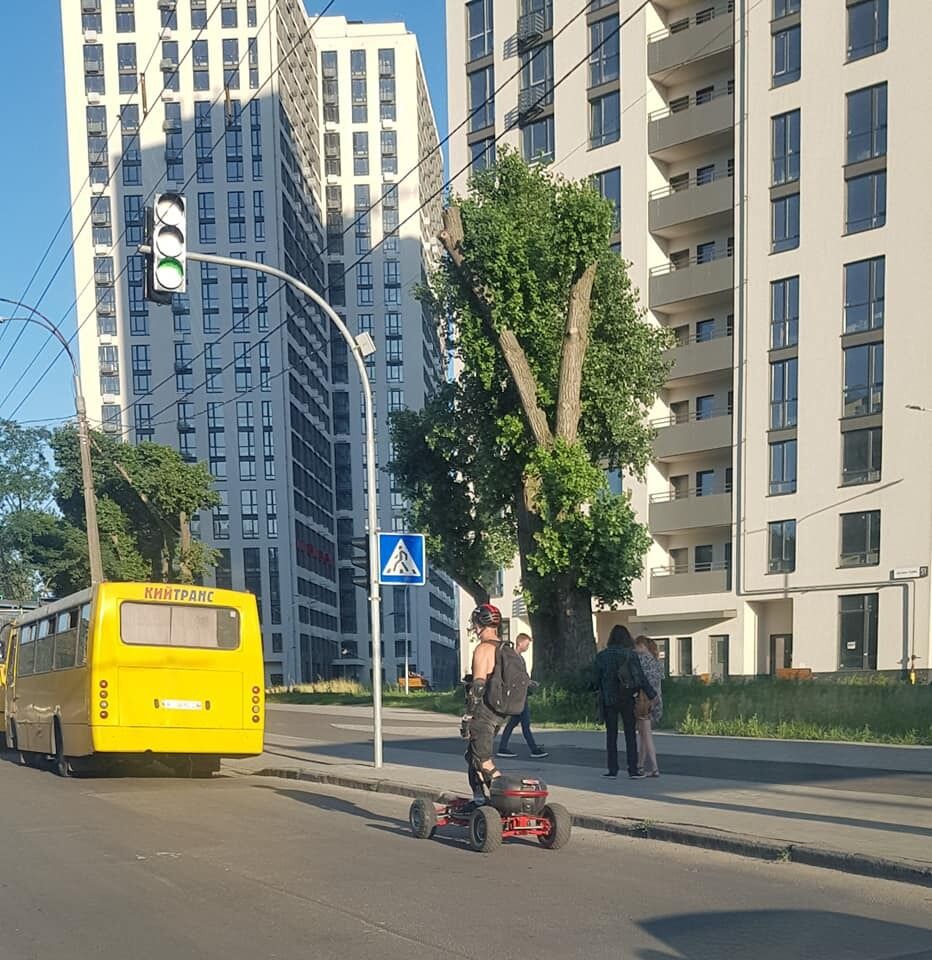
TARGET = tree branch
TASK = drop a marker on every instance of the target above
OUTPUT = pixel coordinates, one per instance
(575, 343)
(452, 238)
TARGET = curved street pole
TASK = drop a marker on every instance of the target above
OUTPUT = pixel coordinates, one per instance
(84, 440)
(371, 499)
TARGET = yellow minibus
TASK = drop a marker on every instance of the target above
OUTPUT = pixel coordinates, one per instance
(164, 671)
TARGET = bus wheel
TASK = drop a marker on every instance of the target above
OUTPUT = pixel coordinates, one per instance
(62, 764)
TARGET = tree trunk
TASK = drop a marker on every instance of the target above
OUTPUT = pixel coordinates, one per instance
(184, 572)
(564, 641)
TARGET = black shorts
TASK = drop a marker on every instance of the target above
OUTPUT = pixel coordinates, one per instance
(484, 725)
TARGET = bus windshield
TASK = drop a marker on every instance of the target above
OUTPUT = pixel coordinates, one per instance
(176, 625)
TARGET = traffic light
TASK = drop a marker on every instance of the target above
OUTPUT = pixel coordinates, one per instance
(362, 561)
(166, 235)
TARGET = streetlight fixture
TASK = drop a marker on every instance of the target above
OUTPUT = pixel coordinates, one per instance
(84, 442)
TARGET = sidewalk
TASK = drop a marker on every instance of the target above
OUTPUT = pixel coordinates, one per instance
(865, 808)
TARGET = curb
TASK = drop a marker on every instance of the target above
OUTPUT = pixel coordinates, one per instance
(737, 844)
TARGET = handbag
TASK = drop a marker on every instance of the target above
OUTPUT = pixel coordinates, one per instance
(642, 706)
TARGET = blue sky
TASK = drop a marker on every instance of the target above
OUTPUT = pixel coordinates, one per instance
(34, 171)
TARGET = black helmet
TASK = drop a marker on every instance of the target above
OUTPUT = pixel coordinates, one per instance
(485, 615)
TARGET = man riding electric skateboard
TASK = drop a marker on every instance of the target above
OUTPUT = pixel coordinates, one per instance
(481, 722)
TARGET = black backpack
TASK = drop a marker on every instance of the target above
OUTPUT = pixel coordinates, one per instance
(506, 688)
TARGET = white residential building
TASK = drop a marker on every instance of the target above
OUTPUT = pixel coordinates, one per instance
(746, 148)
(224, 104)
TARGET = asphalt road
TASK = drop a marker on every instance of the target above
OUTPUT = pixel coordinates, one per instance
(248, 867)
(338, 735)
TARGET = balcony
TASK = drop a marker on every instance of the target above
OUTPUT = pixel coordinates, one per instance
(683, 580)
(700, 356)
(691, 126)
(692, 284)
(679, 437)
(533, 99)
(676, 210)
(691, 47)
(531, 27)
(694, 510)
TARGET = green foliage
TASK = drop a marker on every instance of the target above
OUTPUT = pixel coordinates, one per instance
(468, 462)
(43, 543)
(892, 712)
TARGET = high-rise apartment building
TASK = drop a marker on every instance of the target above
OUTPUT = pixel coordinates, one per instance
(746, 149)
(223, 103)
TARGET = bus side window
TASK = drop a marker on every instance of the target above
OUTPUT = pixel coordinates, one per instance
(84, 623)
(5, 631)
(45, 645)
(66, 640)
(26, 651)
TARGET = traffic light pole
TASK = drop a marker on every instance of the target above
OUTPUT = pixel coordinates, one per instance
(371, 498)
(84, 441)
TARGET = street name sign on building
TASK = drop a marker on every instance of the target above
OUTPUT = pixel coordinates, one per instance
(908, 573)
(402, 559)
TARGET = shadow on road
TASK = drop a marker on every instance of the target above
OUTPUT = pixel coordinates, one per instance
(783, 935)
(334, 805)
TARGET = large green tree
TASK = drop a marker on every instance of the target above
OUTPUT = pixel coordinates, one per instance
(557, 371)
(146, 496)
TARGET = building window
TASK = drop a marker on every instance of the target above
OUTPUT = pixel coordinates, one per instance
(231, 64)
(358, 95)
(236, 215)
(242, 367)
(255, 137)
(361, 154)
(782, 467)
(249, 513)
(481, 99)
(198, 14)
(391, 277)
(216, 446)
(867, 123)
(210, 305)
(364, 284)
(864, 294)
(271, 514)
(705, 407)
(867, 28)
(183, 371)
(389, 141)
(126, 61)
(785, 138)
(94, 68)
(330, 86)
(605, 119)
(125, 16)
(203, 141)
(863, 391)
(246, 440)
(786, 56)
(867, 202)
(336, 284)
(91, 17)
(782, 552)
(233, 138)
(861, 456)
(860, 539)
(142, 368)
(603, 46)
(784, 223)
(228, 14)
(206, 218)
(784, 313)
(170, 78)
(783, 394)
(783, 8)
(608, 183)
(142, 422)
(538, 141)
(200, 61)
(479, 28)
(482, 154)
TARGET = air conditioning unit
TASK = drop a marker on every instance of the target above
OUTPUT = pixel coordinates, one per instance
(167, 64)
(96, 127)
(109, 368)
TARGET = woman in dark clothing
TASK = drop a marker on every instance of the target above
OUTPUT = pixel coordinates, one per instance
(619, 678)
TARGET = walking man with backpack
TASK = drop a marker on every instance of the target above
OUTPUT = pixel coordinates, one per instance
(496, 691)
(522, 642)
(620, 679)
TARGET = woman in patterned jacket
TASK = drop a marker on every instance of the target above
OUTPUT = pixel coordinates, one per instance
(649, 712)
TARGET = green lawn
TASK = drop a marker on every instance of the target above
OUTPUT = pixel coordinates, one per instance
(804, 710)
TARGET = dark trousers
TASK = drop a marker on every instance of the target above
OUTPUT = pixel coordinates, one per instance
(625, 709)
(524, 718)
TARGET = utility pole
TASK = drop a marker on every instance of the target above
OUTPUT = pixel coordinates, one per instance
(84, 439)
(360, 347)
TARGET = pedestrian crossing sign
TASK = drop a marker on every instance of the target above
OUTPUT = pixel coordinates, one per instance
(402, 559)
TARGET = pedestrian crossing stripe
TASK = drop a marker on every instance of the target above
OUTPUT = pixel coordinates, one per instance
(400, 563)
